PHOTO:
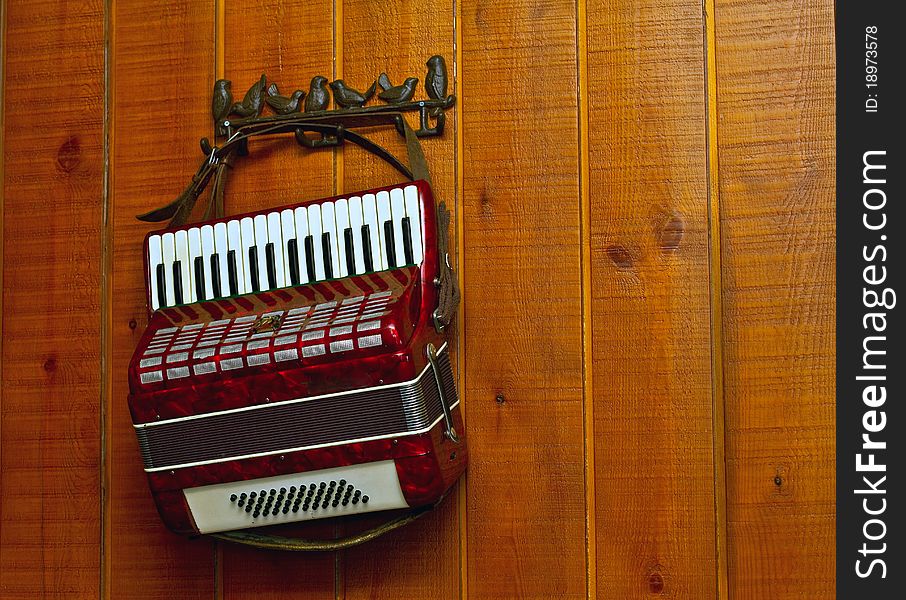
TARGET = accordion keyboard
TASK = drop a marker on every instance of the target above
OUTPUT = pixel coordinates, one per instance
(291, 246)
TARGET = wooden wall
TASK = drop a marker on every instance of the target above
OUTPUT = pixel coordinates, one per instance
(644, 220)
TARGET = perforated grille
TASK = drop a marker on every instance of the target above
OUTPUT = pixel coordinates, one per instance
(310, 497)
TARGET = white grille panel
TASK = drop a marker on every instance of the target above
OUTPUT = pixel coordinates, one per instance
(217, 507)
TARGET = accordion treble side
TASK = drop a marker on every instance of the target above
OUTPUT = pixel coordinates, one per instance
(291, 369)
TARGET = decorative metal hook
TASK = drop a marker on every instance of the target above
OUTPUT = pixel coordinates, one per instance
(324, 141)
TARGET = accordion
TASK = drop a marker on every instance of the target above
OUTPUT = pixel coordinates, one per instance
(292, 368)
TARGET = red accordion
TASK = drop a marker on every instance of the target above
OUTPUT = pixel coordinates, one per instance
(292, 368)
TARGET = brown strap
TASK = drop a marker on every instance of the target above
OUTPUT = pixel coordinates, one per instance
(274, 542)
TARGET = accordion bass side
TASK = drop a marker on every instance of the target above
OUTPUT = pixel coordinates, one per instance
(292, 370)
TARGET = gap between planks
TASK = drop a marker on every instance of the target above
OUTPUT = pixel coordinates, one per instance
(2, 186)
(716, 300)
(106, 316)
(585, 233)
(459, 234)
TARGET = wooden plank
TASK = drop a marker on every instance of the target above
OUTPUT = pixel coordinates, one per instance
(523, 301)
(775, 66)
(422, 559)
(163, 59)
(651, 355)
(719, 421)
(291, 42)
(49, 404)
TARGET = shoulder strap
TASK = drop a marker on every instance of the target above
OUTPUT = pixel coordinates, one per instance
(273, 542)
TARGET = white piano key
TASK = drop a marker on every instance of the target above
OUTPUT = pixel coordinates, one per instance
(247, 232)
(194, 235)
(234, 237)
(314, 230)
(356, 220)
(275, 237)
(261, 240)
(398, 211)
(155, 259)
(369, 210)
(168, 253)
(288, 223)
(301, 215)
(383, 215)
(181, 241)
(415, 223)
(207, 251)
(341, 210)
(222, 248)
(329, 224)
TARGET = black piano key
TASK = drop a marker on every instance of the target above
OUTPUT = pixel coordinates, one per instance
(253, 268)
(161, 286)
(390, 244)
(233, 274)
(350, 251)
(292, 251)
(215, 275)
(177, 281)
(199, 279)
(271, 266)
(310, 257)
(407, 241)
(328, 256)
(366, 248)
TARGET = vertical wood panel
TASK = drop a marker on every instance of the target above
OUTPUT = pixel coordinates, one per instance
(162, 74)
(775, 67)
(290, 41)
(523, 301)
(53, 184)
(650, 303)
(420, 560)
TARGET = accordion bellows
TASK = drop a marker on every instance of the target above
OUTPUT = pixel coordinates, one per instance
(283, 380)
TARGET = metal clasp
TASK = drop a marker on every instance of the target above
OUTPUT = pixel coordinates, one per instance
(450, 432)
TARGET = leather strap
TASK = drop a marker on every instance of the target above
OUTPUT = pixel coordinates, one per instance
(275, 542)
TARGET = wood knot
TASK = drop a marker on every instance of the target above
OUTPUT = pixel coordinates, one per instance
(132, 324)
(69, 155)
(500, 399)
(487, 209)
(655, 582)
(619, 256)
(50, 365)
(670, 233)
(781, 487)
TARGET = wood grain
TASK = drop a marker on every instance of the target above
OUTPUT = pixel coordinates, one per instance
(591, 303)
(522, 332)
(651, 351)
(291, 42)
(775, 65)
(420, 560)
(162, 76)
(49, 404)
